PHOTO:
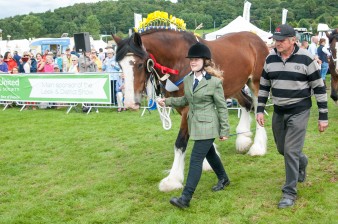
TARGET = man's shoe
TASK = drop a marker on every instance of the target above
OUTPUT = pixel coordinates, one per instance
(220, 185)
(179, 202)
(286, 202)
(302, 170)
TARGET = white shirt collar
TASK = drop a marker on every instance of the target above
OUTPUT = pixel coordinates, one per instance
(200, 77)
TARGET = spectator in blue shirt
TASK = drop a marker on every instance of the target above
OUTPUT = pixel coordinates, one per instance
(16, 57)
(3, 65)
(111, 66)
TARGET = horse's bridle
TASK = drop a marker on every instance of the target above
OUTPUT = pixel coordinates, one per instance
(335, 59)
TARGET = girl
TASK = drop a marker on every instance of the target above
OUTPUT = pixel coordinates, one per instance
(207, 119)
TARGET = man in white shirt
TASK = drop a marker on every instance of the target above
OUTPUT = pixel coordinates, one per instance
(313, 48)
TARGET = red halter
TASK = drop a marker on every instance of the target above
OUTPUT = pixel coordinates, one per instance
(163, 69)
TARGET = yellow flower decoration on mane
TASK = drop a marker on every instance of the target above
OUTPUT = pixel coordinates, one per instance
(161, 19)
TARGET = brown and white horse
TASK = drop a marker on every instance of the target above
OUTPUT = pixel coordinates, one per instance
(240, 55)
(333, 65)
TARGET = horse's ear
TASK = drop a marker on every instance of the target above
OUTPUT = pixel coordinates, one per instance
(137, 39)
(116, 39)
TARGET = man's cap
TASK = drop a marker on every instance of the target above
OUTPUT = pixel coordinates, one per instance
(67, 49)
(283, 31)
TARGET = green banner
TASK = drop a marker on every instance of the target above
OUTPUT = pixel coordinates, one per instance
(66, 88)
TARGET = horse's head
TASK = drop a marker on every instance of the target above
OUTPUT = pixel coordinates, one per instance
(132, 58)
(333, 41)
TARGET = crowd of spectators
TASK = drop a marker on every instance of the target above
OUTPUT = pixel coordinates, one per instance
(49, 62)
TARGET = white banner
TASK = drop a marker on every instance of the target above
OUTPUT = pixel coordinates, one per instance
(137, 19)
(284, 15)
(246, 11)
(68, 88)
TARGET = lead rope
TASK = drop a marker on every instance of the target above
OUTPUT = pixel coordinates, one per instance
(164, 115)
(163, 111)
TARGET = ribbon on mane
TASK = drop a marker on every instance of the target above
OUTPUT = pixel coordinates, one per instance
(164, 70)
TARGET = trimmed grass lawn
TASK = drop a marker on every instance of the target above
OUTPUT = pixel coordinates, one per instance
(105, 168)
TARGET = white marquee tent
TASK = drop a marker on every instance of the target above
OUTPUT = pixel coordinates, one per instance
(237, 25)
(14, 45)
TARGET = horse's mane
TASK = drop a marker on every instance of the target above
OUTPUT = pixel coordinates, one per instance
(161, 29)
(128, 46)
(334, 35)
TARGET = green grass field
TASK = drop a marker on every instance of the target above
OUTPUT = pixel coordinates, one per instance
(105, 168)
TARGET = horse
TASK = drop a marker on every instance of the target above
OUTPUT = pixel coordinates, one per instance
(333, 64)
(240, 56)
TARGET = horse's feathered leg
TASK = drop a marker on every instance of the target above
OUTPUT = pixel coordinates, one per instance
(176, 176)
(259, 147)
(243, 140)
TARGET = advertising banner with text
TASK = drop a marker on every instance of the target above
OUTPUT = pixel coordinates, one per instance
(66, 88)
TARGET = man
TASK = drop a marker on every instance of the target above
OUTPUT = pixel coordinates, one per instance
(111, 66)
(66, 60)
(16, 57)
(86, 63)
(292, 74)
(313, 48)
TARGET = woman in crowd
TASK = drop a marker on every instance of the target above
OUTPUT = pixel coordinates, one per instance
(40, 63)
(96, 60)
(11, 63)
(74, 67)
(15, 70)
(323, 54)
(26, 60)
(49, 65)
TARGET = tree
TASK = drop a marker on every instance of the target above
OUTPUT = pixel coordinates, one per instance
(92, 25)
(304, 23)
(67, 27)
(32, 26)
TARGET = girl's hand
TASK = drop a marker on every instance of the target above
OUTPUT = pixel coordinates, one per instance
(161, 101)
(223, 138)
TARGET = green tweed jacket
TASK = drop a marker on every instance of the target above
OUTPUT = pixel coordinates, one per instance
(208, 113)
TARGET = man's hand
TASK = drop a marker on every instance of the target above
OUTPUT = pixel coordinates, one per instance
(260, 119)
(323, 125)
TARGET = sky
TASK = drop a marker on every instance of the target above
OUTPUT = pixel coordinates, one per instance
(23, 7)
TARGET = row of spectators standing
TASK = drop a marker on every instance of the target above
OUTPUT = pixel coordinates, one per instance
(27, 63)
(321, 54)
(70, 61)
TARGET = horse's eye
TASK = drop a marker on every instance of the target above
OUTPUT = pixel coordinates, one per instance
(140, 66)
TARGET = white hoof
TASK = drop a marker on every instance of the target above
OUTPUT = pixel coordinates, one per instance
(259, 147)
(257, 150)
(170, 184)
(243, 142)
